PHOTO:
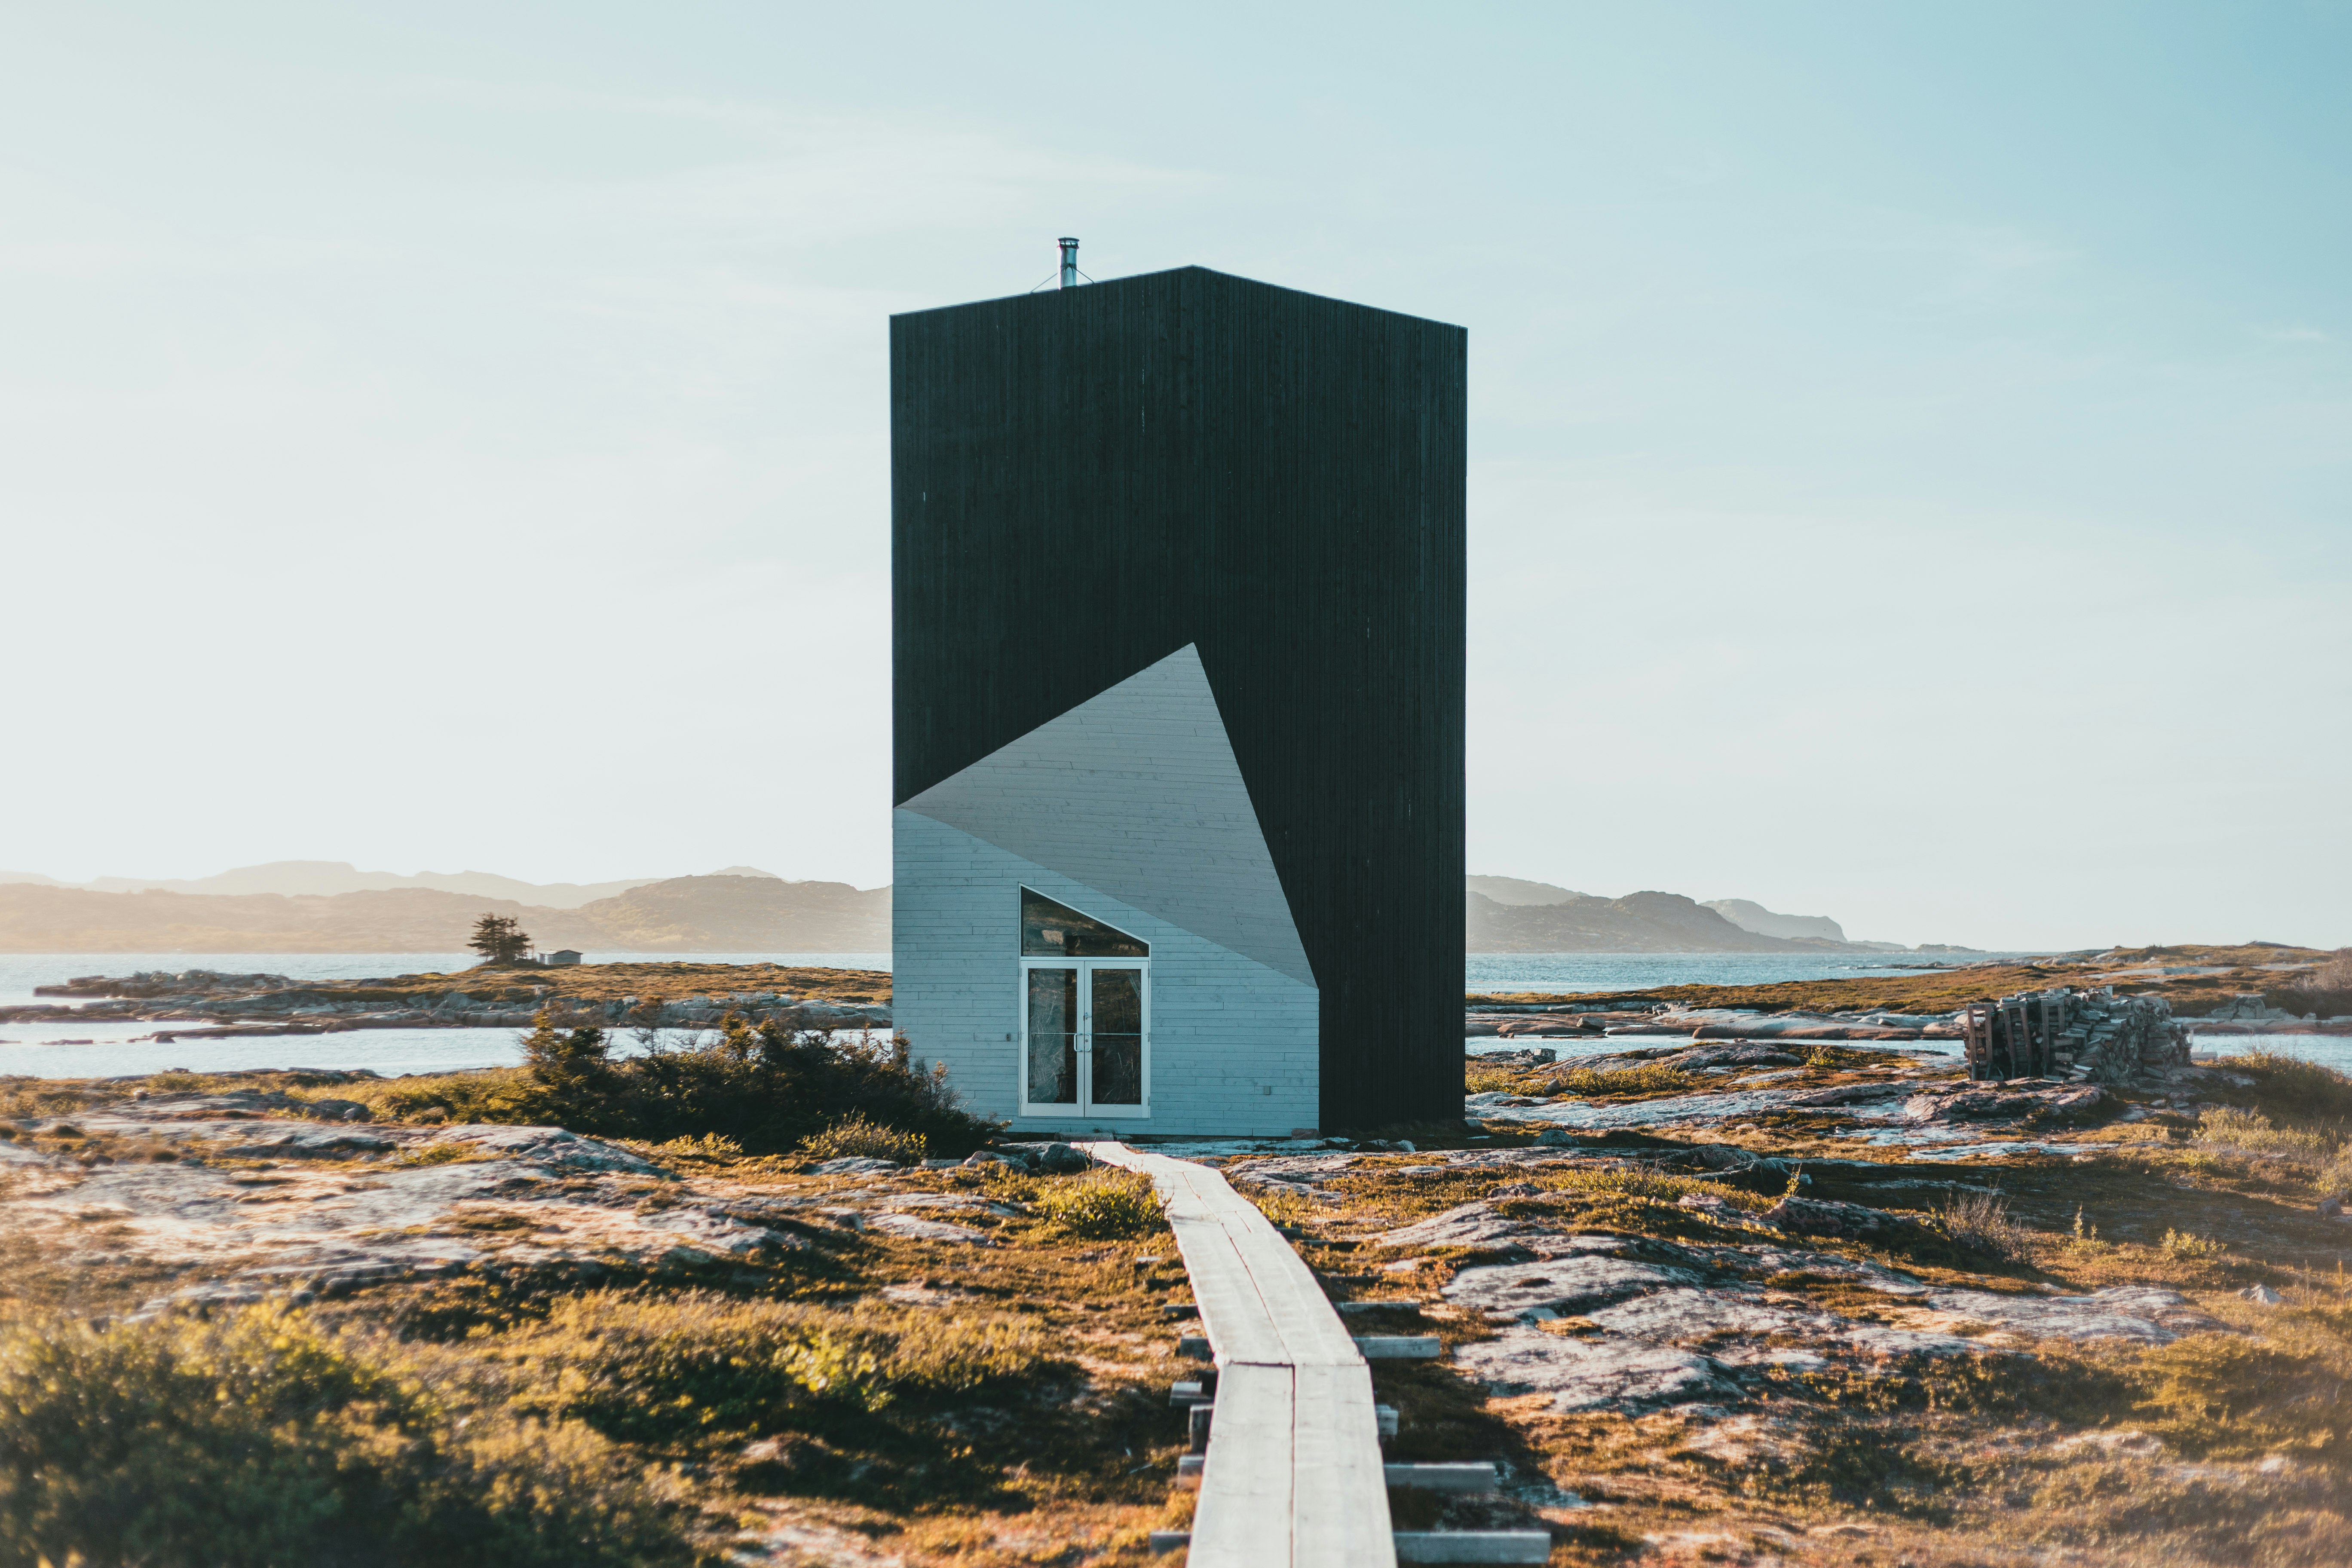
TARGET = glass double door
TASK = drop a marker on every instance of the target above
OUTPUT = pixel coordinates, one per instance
(1085, 1047)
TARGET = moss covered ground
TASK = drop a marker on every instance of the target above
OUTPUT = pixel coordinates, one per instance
(2231, 1445)
(863, 1394)
(870, 1397)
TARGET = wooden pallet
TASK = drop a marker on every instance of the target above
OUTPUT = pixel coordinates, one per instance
(1294, 1477)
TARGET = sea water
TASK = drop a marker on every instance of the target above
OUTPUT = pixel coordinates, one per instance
(113, 1048)
(1572, 974)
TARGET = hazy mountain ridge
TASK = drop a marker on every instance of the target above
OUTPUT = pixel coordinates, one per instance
(327, 879)
(1519, 890)
(309, 906)
(1638, 922)
(1751, 916)
(756, 913)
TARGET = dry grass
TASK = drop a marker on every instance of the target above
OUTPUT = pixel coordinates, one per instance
(1654, 1187)
(2251, 1132)
(855, 1136)
(1980, 1221)
(1105, 1205)
(1283, 1206)
(1640, 1081)
(667, 1368)
(2291, 1089)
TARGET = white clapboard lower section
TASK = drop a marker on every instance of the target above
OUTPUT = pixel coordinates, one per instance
(1235, 1045)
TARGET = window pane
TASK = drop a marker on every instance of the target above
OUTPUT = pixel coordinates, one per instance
(1053, 1067)
(1119, 1037)
(1049, 929)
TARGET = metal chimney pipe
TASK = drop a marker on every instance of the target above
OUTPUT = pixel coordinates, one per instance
(1069, 262)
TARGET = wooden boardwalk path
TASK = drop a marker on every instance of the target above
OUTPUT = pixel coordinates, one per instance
(1294, 1476)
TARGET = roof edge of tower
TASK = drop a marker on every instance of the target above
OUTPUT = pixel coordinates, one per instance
(1043, 297)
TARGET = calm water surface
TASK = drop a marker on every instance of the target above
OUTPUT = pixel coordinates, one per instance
(1570, 974)
(106, 1049)
(110, 1050)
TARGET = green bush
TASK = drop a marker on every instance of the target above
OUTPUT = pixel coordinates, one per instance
(767, 1089)
(258, 1439)
(853, 1135)
(1105, 1206)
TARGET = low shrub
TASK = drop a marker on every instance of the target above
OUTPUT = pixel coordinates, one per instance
(2334, 1177)
(2183, 1245)
(258, 1439)
(1105, 1206)
(853, 1135)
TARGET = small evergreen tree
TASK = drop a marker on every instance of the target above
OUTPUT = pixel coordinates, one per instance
(499, 939)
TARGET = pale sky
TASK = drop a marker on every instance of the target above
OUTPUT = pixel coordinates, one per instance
(1911, 447)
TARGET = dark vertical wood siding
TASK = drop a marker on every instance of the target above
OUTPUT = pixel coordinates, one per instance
(1086, 480)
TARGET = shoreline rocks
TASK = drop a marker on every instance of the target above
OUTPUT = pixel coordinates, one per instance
(217, 1006)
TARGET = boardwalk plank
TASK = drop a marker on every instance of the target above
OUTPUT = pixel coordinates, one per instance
(1293, 1478)
(1244, 1518)
(1338, 1510)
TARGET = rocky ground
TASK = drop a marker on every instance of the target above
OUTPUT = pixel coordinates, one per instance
(124, 1207)
(1732, 1302)
(1757, 1307)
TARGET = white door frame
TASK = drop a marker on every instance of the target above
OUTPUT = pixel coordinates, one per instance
(1086, 1041)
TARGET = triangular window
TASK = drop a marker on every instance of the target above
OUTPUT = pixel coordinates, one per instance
(1049, 929)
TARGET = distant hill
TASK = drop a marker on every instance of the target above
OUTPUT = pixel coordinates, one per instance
(754, 914)
(1515, 891)
(325, 878)
(311, 906)
(1754, 917)
(1638, 922)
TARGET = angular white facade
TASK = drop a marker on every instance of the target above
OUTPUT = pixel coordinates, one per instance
(1129, 810)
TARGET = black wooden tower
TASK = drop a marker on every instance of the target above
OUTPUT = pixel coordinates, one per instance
(1086, 480)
